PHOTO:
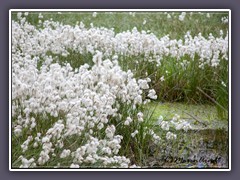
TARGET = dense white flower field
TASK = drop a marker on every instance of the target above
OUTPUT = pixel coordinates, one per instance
(58, 39)
(93, 115)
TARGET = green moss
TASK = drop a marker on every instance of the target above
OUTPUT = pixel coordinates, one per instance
(168, 110)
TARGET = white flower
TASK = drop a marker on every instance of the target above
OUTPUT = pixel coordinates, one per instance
(224, 20)
(33, 125)
(25, 144)
(159, 120)
(35, 145)
(126, 123)
(129, 119)
(65, 153)
(223, 84)
(162, 78)
(100, 126)
(164, 125)
(97, 59)
(186, 126)
(156, 138)
(152, 94)
(140, 116)
(182, 16)
(74, 166)
(18, 130)
(176, 117)
(134, 166)
(144, 22)
(134, 133)
(40, 16)
(179, 126)
(132, 14)
(45, 140)
(19, 15)
(171, 136)
(94, 14)
(27, 163)
(26, 14)
(143, 84)
(110, 130)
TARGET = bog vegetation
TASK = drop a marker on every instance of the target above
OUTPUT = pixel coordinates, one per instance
(84, 84)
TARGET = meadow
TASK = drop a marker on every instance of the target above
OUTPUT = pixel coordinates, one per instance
(116, 89)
